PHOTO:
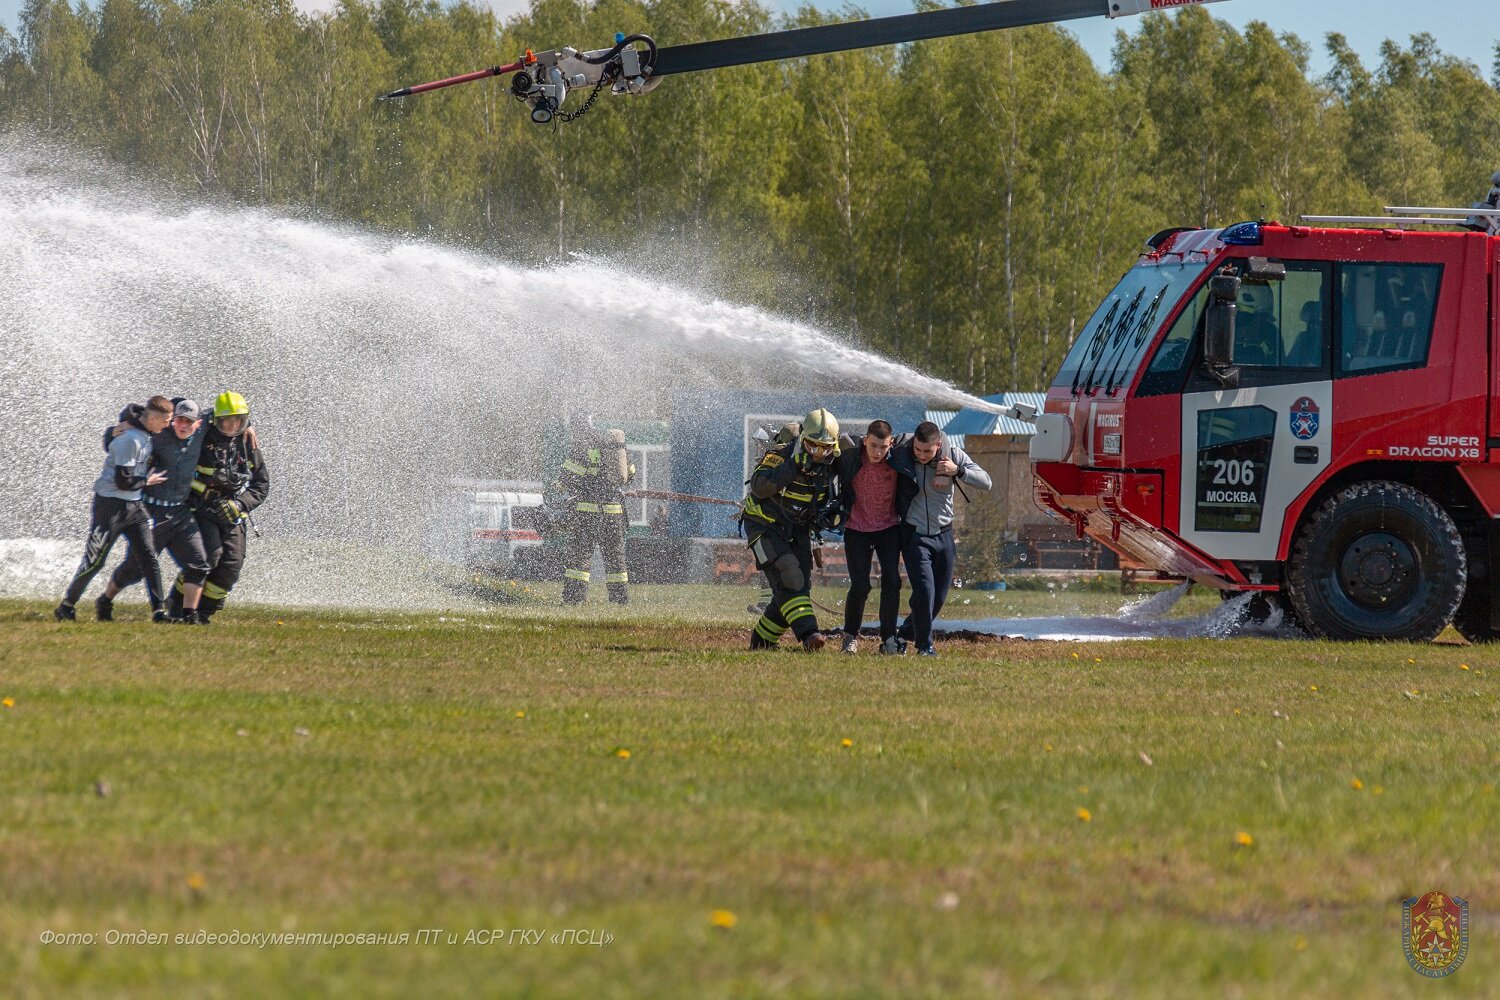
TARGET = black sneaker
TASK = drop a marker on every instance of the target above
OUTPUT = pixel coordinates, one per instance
(64, 613)
(189, 617)
(851, 644)
(892, 646)
(159, 617)
(104, 609)
(926, 651)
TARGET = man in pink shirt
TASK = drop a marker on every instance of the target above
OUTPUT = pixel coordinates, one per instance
(867, 487)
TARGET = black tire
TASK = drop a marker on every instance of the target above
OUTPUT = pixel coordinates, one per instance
(1259, 609)
(1378, 560)
(1472, 619)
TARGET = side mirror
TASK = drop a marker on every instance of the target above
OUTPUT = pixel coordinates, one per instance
(1218, 329)
(1262, 270)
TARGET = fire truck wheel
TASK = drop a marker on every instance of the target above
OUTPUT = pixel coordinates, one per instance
(1378, 560)
(1472, 620)
(1262, 606)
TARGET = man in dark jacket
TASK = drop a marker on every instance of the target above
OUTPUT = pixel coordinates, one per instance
(867, 496)
(174, 528)
(792, 495)
(118, 509)
(924, 498)
(229, 481)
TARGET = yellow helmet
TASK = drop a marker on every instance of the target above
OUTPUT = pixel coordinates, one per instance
(231, 404)
(821, 427)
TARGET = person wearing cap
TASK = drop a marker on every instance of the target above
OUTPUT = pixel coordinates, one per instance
(118, 509)
(229, 481)
(174, 528)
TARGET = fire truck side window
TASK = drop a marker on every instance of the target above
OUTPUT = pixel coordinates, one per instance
(1283, 324)
(1385, 316)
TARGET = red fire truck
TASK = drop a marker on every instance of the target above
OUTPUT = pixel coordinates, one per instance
(1312, 413)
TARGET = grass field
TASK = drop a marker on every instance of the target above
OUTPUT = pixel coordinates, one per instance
(1010, 819)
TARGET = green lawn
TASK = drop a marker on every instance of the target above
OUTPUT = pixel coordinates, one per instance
(876, 827)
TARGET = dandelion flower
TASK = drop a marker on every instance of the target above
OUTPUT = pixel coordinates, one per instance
(1411, 661)
(520, 715)
(846, 742)
(1243, 839)
(1356, 784)
(1463, 666)
(1084, 815)
(1378, 790)
(1075, 656)
(1098, 659)
(1301, 943)
(8, 702)
(1047, 747)
(723, 919)
(196, 881)
(1312, 687)
(622, 753)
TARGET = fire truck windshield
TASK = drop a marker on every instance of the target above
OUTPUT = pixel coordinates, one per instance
(1111, 346)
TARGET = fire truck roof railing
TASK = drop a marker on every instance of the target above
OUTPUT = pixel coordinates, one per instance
(1401, 216)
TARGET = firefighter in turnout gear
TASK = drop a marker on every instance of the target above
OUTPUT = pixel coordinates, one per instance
(229, 481)
(593, 511)
(792, 496)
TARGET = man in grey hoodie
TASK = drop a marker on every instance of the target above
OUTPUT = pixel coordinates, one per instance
(174, 529)
(929, 469)
(119, 510)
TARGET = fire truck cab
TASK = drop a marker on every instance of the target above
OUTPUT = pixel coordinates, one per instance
(1312, 413)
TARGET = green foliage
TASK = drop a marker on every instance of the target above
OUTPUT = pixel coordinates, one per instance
(960, 203)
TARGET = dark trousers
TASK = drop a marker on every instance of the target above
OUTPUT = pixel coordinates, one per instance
(225, 545)
(787, 563)
(174, 530)
(929, 568)
(859, 547)
(586, 530)
(112, 518)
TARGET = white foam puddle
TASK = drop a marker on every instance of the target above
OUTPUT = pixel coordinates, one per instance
(1148, 618)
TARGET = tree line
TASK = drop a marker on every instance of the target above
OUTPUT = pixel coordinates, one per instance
(959, 203)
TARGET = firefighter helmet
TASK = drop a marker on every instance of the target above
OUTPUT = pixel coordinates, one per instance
(820, 428)
(230, 404)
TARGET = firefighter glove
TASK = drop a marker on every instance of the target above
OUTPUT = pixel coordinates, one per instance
(231, 511)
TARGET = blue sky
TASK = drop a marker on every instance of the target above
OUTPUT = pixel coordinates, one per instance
(1465, 28)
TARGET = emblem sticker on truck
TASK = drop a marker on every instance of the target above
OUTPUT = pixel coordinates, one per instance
(1234, 457)
(1304, 419)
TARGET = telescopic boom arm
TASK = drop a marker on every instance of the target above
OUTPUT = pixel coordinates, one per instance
(542, 79)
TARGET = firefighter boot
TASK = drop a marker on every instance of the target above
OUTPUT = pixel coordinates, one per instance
(174, 598)
(767, 634)
(208, 607)
(104, 608)
(575, 590)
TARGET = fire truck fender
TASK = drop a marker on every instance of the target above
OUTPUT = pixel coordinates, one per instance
(1449, 486)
